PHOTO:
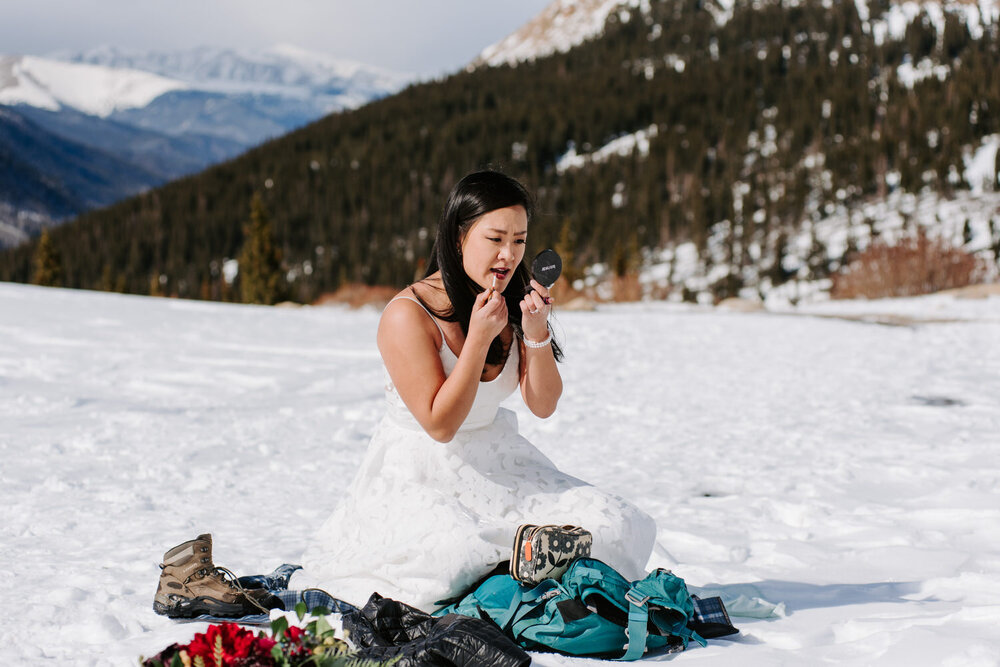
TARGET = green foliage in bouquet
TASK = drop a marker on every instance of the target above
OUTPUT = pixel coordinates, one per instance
(314, 644)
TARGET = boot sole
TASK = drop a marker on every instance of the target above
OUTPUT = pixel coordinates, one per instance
(191, 607)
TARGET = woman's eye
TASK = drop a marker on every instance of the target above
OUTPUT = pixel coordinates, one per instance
(495, 240)
(521, 241)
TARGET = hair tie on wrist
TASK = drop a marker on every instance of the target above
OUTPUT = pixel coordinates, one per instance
(541, 343)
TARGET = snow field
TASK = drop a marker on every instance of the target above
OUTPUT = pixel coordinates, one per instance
(846, 470)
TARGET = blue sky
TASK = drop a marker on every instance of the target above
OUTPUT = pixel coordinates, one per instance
(426, 37)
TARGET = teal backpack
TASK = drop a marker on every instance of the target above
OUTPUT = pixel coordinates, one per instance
(592, 610)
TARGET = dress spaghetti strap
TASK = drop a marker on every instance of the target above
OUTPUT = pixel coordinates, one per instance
(429, 314)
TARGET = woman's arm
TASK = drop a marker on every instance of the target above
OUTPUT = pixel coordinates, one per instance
(406, 340)
(541, 384)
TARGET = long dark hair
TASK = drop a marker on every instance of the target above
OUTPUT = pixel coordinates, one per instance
(472, 197)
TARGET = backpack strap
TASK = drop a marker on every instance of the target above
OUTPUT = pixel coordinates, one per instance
(638, 615)
(505, 619)
(521, 605)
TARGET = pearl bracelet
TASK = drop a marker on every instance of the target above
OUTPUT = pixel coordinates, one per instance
(541, 343)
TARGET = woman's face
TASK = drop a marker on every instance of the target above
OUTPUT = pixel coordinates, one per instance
(494, 245)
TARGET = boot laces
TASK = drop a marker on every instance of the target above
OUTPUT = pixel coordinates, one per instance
(227, 576)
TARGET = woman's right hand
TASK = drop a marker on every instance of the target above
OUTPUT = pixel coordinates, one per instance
(489, 317)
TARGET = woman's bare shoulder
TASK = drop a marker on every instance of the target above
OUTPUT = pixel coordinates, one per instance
(407, 312)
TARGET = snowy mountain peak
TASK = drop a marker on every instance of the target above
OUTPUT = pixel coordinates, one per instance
(329, 64)
(281, 67)
(93, 89)
(559, 27)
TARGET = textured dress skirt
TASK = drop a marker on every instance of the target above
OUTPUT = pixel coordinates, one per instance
(422, 520)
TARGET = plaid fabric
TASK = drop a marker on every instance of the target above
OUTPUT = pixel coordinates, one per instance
(710, 610)
(276, 581)
(314, 597)
(711, 620)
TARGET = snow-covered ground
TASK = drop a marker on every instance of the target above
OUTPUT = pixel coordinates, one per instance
(848, 470)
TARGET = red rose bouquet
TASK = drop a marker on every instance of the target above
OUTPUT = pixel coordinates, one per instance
(229, 645)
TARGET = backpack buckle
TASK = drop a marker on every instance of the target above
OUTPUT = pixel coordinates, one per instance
(636, 598)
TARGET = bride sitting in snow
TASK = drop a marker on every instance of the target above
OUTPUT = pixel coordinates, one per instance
(446, 478)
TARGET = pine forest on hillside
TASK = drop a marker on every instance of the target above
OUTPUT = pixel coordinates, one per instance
(755, 126)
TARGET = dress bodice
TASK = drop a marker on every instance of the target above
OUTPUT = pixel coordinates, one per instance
(489, 395)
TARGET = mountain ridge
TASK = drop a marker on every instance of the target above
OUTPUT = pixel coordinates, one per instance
(52, 85)
(168, 114)
(564, 24)
(766, 124)
(280, 69)
(48, 176)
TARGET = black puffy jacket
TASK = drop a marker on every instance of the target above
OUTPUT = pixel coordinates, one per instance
(386, 629)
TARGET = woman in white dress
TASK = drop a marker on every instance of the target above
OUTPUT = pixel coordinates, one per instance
(446, 478)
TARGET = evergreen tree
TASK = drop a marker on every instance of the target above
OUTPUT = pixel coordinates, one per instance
(47, 264)
(566, 247)
(996, 172)
(261, 277)
(995, 236)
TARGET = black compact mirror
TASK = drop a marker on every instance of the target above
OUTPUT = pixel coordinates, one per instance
(546, 267)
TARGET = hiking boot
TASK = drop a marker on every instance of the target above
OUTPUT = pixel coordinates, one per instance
(191, 585)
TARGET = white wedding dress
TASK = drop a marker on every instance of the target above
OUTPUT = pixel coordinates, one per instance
(422, 520)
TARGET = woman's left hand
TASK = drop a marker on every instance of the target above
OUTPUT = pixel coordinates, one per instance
(535, 309)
